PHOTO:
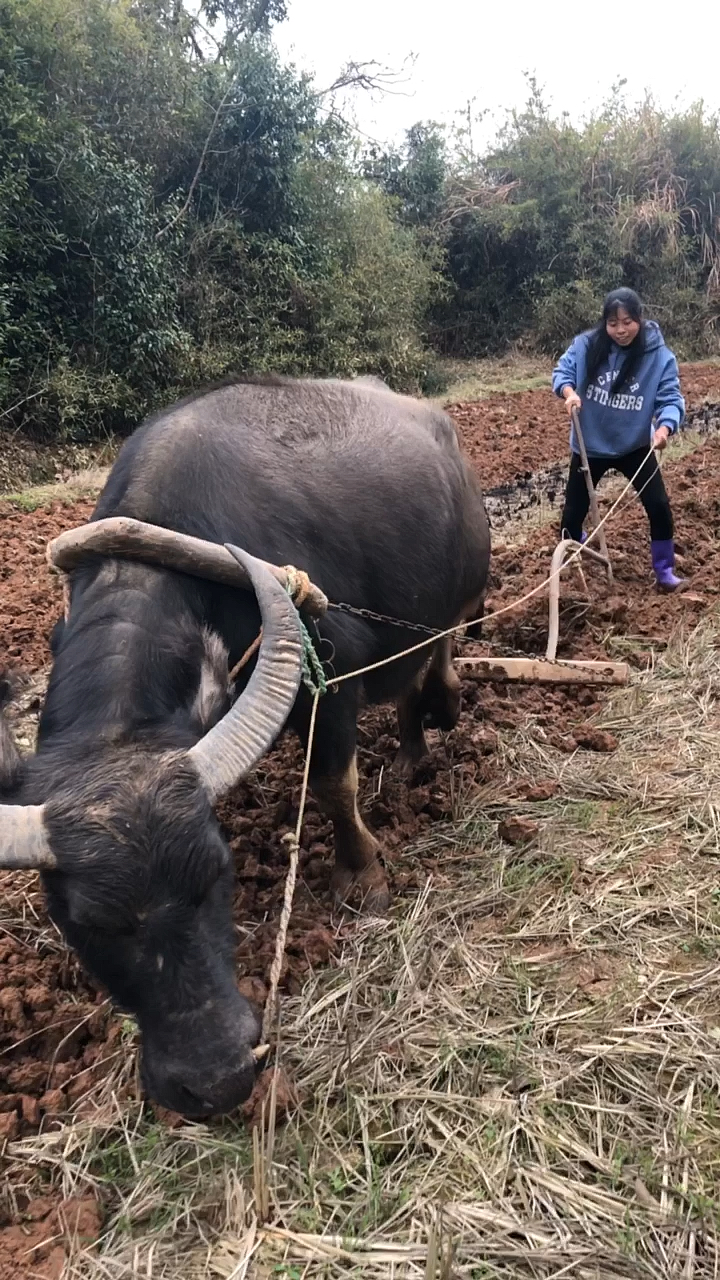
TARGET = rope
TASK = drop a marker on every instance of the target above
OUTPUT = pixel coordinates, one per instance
(317, 683)
(298, 584)
(515, 604)
(314, 677)
(251, 649)
(298, 587)
(66, 596)
(292, 839)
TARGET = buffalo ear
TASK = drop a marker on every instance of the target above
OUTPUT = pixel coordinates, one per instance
(213, 696)
(56, 636)
(11, 764)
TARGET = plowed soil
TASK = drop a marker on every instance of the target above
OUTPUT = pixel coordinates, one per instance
(510, 437)
(59, 1037)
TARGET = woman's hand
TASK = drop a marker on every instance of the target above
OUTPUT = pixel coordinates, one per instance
(661, 437)
(572, 399)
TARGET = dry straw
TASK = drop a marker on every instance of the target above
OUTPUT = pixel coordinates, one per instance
(517, 1076)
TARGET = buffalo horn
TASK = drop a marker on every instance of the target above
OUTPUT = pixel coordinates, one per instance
(233, 746)
(23, 839)
(153, 544)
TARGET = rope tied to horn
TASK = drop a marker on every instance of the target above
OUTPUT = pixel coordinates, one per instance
(298, 586)
(313, 673)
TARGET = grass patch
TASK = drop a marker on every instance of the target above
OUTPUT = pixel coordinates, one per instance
(516, 1076)
(476, 379)
(82, 484)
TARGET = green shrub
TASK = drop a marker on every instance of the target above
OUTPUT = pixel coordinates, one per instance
(554, 214)
(167, 219)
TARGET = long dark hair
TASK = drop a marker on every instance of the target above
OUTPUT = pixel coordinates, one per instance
(600, 342)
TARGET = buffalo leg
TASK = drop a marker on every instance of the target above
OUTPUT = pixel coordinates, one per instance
(357, 866)
(440, 696)
(334, 781)
(413, 743)
(432, 701)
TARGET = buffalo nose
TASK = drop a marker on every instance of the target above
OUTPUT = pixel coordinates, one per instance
(190, 1103)
(198, 1093)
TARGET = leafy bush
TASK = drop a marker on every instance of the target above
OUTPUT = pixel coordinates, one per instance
(554, 214)
(168, 217)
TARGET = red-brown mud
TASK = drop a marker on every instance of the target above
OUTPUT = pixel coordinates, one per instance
(34, 1246)
(509, 436)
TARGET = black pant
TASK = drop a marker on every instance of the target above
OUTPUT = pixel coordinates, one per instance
(648, 484)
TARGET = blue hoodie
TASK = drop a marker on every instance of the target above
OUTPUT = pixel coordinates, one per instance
(613, 425)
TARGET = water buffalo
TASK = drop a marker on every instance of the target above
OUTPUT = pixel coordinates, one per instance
(140, 733)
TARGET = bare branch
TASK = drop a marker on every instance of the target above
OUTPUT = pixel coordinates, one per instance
(7, 413)
(371, 76)
(466, 195)
(196, 177)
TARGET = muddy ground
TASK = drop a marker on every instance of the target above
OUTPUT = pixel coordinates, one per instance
(509, 437)
(59, 1038)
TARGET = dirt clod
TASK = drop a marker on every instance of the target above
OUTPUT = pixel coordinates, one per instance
(593, 739)
(36, 1245)
(254, 990)
(8, 1125)
(518, 830)
(540, 790)
(286, 1099)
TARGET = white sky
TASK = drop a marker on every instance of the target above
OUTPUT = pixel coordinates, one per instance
(471, 49)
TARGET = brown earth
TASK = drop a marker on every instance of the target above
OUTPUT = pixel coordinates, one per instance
(33, 1247)
(31, 596)
(629, 618)
(59, 1038)
(510, 436)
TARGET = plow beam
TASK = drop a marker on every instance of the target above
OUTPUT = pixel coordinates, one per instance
(539, 671)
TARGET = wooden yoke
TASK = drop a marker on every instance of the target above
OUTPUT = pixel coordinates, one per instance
(151, 544)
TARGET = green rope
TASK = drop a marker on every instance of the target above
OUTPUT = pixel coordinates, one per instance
(313, 673)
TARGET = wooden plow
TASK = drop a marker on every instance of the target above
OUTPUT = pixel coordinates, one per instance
(551, 670)
(562, 550)
(567, 545)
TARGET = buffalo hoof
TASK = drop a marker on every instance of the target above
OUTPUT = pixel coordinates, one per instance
(369, 887)
(408, 758)
(439, 705)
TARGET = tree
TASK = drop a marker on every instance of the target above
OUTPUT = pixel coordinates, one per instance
(158, 225)
(554, 214)
(415, 175)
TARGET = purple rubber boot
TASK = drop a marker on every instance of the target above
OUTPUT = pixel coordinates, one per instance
(663, 562)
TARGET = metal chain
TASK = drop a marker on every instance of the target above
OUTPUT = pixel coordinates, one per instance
(371, 616)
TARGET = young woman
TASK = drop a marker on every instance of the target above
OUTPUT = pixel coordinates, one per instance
(625, 383)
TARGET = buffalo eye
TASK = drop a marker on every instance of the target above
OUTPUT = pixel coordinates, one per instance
(86, 912)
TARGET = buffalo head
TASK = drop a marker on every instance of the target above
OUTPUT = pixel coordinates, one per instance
(139, 878)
